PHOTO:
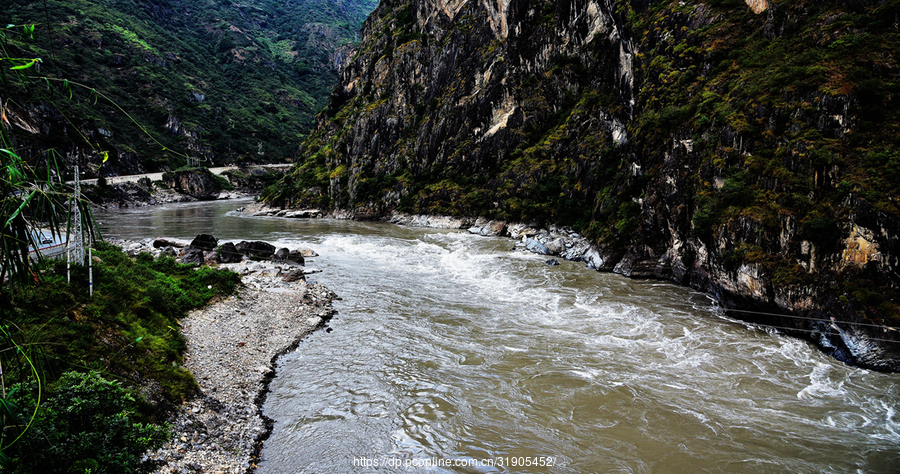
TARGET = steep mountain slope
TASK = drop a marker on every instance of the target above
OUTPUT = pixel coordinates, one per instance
(219, 80)
(746, 149)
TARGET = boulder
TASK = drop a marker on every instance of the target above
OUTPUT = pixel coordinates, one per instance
(552, 262)
(302, 214)
(256, 249)
(204, 242)
(229, 254)
(161, 243)
(297, 257)
(168, 252)
(536, 247)
(487, 228)
(308, 253)
(296, 275)
(282, 254)
(519, 231)
(556, 246)
(192, 255)
(197, 183)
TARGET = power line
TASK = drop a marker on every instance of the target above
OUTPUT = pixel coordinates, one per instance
(813, 331)
(811, 319)
(822, 333)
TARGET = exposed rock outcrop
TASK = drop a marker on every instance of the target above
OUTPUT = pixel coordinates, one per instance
(198, 183)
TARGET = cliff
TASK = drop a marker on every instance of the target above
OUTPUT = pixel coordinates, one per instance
(748, 150)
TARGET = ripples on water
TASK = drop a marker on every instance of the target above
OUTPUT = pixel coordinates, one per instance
(449, 346)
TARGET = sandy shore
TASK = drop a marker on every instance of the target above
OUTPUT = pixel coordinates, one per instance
(232, 346)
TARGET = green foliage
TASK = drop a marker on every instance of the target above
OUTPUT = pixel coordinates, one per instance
(242, 79)
(822, 230)
(221, 182)
(128, 328)
(737, 190)
(88, 424)
(705, 218)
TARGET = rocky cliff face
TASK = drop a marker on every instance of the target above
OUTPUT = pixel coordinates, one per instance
(198, 183)
(745, 149)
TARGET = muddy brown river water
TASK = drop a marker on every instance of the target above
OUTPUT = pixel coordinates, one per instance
(452, 353)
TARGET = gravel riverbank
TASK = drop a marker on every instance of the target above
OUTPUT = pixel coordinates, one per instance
(232, 347)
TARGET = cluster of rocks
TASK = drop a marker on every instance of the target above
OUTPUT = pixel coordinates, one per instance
(261, 264)
(435, 222)
(288, 213)
(232, 348)
(553, 241)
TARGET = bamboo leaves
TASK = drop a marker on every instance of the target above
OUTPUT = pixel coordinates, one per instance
(25, 62)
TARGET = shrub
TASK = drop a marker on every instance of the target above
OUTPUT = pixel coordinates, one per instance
(736, 190)
(221, 182)
(89, 424)
(822, 230)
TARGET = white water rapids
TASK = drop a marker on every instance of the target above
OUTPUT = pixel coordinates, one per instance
(452, 353)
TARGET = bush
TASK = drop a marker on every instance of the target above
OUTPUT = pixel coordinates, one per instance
(221, 182)
(737, 190)
(89, 424)
(821, 230)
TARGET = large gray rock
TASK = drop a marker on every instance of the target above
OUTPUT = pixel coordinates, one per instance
(536, 247)
(162, 243)
(204, 242)
(197, 183)
(256, 249)
(282, 254)
(296, 256)
(229, 254)
(192, 255)
(556, 246)
(296, 275)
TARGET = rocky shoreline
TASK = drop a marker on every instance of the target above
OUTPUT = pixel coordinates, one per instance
(232, 348)
(836, 331)
(143, 193)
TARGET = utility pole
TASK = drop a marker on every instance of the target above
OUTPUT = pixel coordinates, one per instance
(75, 239)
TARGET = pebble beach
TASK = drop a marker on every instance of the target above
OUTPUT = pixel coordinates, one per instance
(232, 348)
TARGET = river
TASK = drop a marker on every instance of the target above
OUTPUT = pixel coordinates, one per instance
(452, 353)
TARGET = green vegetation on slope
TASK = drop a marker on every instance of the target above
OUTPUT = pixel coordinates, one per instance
(225, 82)
(89, 424)
(128, 331)
(128, 327)
(793, 124)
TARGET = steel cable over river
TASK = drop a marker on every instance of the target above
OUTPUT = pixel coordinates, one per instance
(452, 353)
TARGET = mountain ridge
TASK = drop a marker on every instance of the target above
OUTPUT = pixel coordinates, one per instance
(221, 81)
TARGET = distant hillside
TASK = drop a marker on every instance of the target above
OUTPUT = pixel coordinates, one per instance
(219, 80)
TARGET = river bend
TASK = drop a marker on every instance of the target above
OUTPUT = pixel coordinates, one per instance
(451, 352)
